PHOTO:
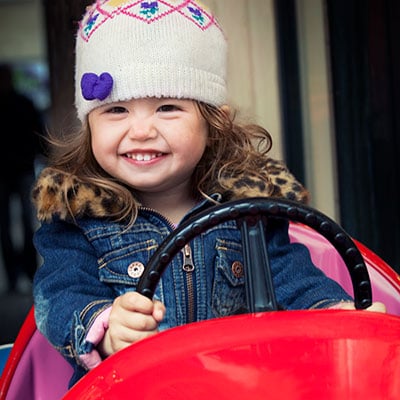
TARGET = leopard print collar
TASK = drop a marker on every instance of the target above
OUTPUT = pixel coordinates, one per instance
(92, 201)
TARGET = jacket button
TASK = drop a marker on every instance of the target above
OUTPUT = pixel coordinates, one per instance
(237, 269)
(135, 269)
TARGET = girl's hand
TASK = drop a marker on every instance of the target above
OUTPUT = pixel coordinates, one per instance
(377, 306)
(133, 317)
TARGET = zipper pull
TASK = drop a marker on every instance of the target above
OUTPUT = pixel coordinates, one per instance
(188, 265)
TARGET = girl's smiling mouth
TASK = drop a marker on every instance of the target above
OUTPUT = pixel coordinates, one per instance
(143, 156)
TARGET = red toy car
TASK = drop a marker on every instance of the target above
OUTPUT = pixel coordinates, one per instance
(264, 354)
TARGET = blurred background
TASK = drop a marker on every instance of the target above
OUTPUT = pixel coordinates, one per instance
(322, 76)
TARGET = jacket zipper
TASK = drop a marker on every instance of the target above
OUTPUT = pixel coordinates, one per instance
(188, 267)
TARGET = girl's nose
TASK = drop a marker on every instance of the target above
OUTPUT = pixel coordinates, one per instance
(142, 129)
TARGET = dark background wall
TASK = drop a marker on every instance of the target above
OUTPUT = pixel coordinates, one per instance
(365, 55)
(365, 70)
(61, 25)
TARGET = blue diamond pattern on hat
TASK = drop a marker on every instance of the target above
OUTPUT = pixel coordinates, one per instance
(150, 11)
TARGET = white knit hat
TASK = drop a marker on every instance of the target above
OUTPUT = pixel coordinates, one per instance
(133, 49)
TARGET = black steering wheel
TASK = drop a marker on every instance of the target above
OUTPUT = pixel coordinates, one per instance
(252, 215)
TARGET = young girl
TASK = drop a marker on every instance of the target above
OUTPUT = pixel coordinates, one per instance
(157, 144)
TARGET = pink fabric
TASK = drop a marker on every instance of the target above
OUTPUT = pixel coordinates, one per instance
(325, 256)
(41, 374)
(95, 335)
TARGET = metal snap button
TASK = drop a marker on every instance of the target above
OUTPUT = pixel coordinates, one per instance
(135, 269)
(237, 269)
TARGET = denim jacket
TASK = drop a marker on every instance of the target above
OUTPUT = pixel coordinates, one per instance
(90, 260)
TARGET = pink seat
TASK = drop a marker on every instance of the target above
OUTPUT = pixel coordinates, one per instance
(384, 280)
(36, 371)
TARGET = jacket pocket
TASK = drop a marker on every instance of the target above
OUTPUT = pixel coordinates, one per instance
(123, 267)
(228, 295)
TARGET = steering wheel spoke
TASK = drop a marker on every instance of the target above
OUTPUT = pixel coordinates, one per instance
(260, 293)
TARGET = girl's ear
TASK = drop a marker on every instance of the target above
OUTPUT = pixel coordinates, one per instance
(225, 109)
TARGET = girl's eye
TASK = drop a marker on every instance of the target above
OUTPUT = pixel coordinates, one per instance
(116, 110)
(168, 108)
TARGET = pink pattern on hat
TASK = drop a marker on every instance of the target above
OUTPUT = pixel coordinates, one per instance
(145, 11)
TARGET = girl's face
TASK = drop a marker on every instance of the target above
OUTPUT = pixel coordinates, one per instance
(151, 144)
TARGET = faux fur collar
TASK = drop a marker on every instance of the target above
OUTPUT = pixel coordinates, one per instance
(53, 187)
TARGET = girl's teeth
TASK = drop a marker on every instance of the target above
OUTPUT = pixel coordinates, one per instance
(144, 157)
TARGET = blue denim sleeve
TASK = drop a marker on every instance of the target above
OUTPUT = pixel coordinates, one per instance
(299, 284)
(68, 294)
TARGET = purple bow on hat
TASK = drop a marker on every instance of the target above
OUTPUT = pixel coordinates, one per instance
(96, 87)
